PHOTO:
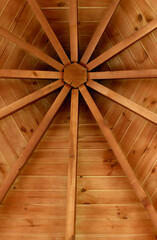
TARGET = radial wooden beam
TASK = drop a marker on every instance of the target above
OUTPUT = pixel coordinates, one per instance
(120, 156)
(129, 74)
(23, 102)
(72, 167)
(31, 49)
(49, 32)
(122, 45)
(99, 31)
(31, 74)
(35, 139)
(134, 107)
(73, 21)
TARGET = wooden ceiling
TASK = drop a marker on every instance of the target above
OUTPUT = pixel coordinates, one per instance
(106, 205)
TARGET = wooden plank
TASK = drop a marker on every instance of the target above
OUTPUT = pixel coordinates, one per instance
(141, 111)
(11, 73)
(34, 141)
(45, 169)
(49, 155)
(79, 237)
(72, 166)
(124, 226)
(99, 31)
(31, 49)
(35, 197)
(151, 180)
(110, 212)
(35, 96)
(32, 226)
(111, 168)
(39, 183)
(147, 160)
(112, 237)
(35, 237)
(106, 197)
(120, 156)
(129, 74)
(103, 183)
(122, 45)
(73, 22)
(49, 32)
(16, 211)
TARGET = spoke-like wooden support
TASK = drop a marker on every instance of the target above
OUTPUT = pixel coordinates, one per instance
(33, 142)
(25, 101)
(49, 32)
(99, 31)
(122, 45)
(129, 74)
(73, 21)
(31, 74)
(134, 107)
(72, 166)
(120, 156)
(31, 49)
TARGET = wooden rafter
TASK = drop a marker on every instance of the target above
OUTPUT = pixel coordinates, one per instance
(134, 107)
(25, 101)
(122, 45)
(72, 166)
(73, 16)
(33, 142)
(129, 74)
(99, 31)
(49, 32)
(119, 155)
(31, 49)
(31, 74)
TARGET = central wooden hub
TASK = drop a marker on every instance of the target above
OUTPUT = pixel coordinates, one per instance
(75, 75)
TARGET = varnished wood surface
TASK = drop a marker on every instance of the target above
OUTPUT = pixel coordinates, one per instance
(73, 24)
(33, 141)
(27, 100)
(143, 198)
(72, 166)
(31, 49)
(123, 101)
(49, 32)
(99, 31)
(136, 136)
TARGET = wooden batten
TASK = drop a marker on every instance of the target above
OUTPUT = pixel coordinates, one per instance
(73, 22)
(72, 167)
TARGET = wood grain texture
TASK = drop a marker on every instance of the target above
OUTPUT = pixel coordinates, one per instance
(49, 32)
(99, 31)
(122, 45)
(120, 156)
(72, 166)
(31, 98)
(129, 74)
(73, 22)
(19, 74)
(34, 141)
(143, 112)
(31, 49)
